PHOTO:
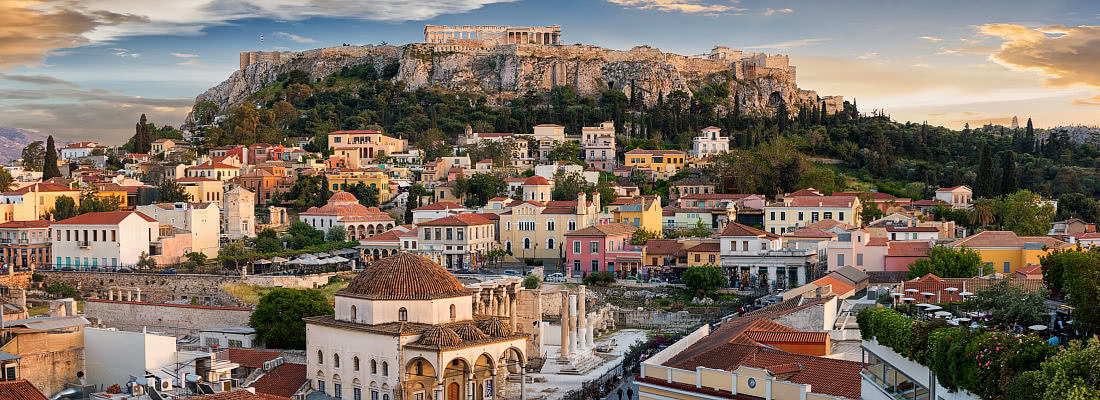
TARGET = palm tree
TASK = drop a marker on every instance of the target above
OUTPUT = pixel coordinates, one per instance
(982, 214)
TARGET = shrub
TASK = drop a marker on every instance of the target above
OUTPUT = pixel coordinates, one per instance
(532, 281)
(61, 290)
(599, 279)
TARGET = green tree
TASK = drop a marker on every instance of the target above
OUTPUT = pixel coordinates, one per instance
(704, 279)
(302, 235)
(146, 262)
(1077, 205)
(234, 252)
(982, 214)
(203, 112)
(946, 262)
(196, 258)
(32, 156)
(64, 207)
(1010, 305)
(1069, 374)
(1074, 274)
(1009, 183)
(367, 195)
(49, 162)
(532, 282)
(416, 191)
(986, 179)
(567, 151)
(641, 236)
(92, 202)
(568, 185)
(870, 210)
(1025, 213)
(171, 191)
(143, 137)
(6, 180)
(336, 233)
(267, 241)
(278, 317)
(480, 187)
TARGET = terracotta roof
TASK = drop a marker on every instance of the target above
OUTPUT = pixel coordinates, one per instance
(715, 196)
(82, 145)
(708, 247)
(829, 224)
(823, 201)
(388, 236)
(42, 187)
(1031, 269)
(877, 241)
(348, 209)
(604, 230)
(1090, 235)
(520, 179)
(907, 249)
(1007, 239)
(464, 219)
(20, 389)
(739, 229)
(876, 196)
(499, 199)
(951, 188)
(805, 192)
(663, 247)
(196, 179)
(26, 224)
(469, 331)
(440, 205)
(787, 337)
(892, 228)
(936, 285)
(811, 233)
(404, 276)
(657, 152)
(440, 335)
(536, 180)
(213, 165)
(928, 203)
(353, 132)
(824, 375)
(284, 380)
(839, 287)
(250, 358)
(102, 218)
(238, 394)
(495, 327)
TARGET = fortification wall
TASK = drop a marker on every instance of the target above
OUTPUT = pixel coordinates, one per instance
(171, 319)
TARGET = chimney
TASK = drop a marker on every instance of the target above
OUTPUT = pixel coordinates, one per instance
(596, 199)
(581, 202)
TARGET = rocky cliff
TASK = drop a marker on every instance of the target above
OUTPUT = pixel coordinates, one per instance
(758, 82)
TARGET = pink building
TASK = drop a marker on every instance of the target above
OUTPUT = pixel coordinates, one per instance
(900, 254)
(856, 249)
(602, 248)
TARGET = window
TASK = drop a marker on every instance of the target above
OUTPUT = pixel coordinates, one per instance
(840, 216)
(828, 215)
(572, 225)
(373, 367)
(508, 225)
(357, 394)
(335, 360)
(320, 386)
(550, 225)
(1008, 266)
(550, 244)
(212, 341)
(355, 363)
(763, 245)
(236, 344)
(576, 266)
(453, 313)
(420, 368)
(744, 245)
(801, 215)
(814, 216)
(461, 234)
(772, 216)
(320, 357)
(698, 257)
(859, 259)
(840, 259)
(354, 314)
(595, 266)
(526, 243)
(402, 314)
(594, 247)
(710, 258)
(449, 235)
(385, 368)
(337, 391)
(783, 215)
(576, 247)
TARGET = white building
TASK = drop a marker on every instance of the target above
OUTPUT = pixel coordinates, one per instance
(957, 196)
(756, 258)
(922, 233)
(101, 239)
(598, 143)
(226, 337)
(78, 150)
(709, 142)
(344, 210)
(437, 210)
(203, 220)
(240, 213)
(405, 326)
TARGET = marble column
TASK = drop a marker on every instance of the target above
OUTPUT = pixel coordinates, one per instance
(573, 322)
(522, 382)
(582, 321)
(493, 379)
(472, 387)
(514, 306)
(564, 352)
(137, 292)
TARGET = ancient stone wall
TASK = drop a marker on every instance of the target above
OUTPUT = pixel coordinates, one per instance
(50, 371)
(18, 279)
(155, 288)
(529, 317)
(169, 319)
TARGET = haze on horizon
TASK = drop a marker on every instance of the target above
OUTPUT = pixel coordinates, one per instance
(87, 71)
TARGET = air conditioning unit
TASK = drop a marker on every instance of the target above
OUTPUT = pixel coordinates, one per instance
(137, 389)
(165, 385)
(227, 386)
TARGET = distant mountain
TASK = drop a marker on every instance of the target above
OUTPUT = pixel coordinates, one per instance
(13, 140)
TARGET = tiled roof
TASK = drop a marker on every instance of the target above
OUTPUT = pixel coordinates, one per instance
(559, 210)
(663, 247)
(213, 165)
(709, 247)
(907, 249)
(238, 394)
(839, 287)
(936, 285)
(284, 380)
(495, 327)
(657, 152)
(196, 179)
(250, 358)
(823, 201)
(805, 192)
(404, 276)
(440, 335)
(715, 196)
(829, 224)
(42, 187)
(877, 241)
(102, 218)
(536, 180)
(928, 203)
(892, 228)
(498, 199)
(824, 375)
(787, 336)
(465, 219)
(604, 230)
(811, 233)
(441, 205)
(951, 188)
(875, 196)
(388, 236)
(26, 224)
(20, 390)
(353, 132)
(741, 230)
(887, 276)
(1030, 269)
(469, 331)
(1007, 239)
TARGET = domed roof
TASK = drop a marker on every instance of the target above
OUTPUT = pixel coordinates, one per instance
(495, 327)
(468, 331)
(342, 197)
(374, 209)
(536, 180)
(404, 276)
(439, 335)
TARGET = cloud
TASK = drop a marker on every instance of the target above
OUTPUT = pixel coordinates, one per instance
(125, 53)
(922, 65)
(296, 38)
(87, 114)
(31, 30)
(1091, 101)
(683, 6)
(191, 63)
(970, 41)
(946, 51)
(38, 80)
(869, 56)
(771, 11)
(789, 44)
(184, 55)
(930, 38)
(1065, 56)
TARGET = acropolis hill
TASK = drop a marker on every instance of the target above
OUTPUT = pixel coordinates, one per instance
(506, 62)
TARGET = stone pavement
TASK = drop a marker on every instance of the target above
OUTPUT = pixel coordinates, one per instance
(557, 386)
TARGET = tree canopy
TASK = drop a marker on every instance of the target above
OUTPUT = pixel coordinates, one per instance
(278, 317)
(946, 262)
(704, 279)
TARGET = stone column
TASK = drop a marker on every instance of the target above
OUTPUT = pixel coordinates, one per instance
(129, 295)
(110, 293)
(564, 352)
(471, 388)
(582, 321)
(138, 293)
(573, 322)
(477, 301)
(493, 379)
(515, 309)
(439, 391)
(522, 382)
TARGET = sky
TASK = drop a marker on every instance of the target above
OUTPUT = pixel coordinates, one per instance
(87, 69)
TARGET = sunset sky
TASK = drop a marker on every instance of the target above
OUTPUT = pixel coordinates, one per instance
(85, 70)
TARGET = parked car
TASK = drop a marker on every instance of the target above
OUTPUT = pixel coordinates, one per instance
(125, 270)
(556, 277)
(169, 271)
(464, 272)
(511, 272)
(657, 281)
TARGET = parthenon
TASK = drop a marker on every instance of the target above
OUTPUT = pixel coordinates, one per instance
(495, 34)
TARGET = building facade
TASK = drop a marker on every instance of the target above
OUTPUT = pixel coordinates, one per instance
(709, 142)
(603, 248)
(459, 241)
(103, 239)
(25, 244)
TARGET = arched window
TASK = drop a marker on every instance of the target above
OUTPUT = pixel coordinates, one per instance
(508, 246)
(385, 368)
(354, 315)
(572, 225)
(420, 368)
(320, 357)
(355, 363)
(550, 243)
(373, 367)
(402, 314)
(335, 360)
(526, 243)
(550, 225)
(508, 225)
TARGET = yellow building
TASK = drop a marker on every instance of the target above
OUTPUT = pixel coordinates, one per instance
(30, 202)
(358, 148)
(343, 178)
(1003, 252)
(704, 253)
(109, 190)
(643, 212)
(203, 190)
(663, 163)
(801, 211)
(533, 229)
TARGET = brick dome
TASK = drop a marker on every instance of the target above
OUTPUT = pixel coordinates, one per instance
(495, 327)
(536, 180)
(439, 335)
(404, 276)
(342, 197)
(468, 331)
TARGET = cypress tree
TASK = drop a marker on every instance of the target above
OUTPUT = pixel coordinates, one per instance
(985, 173)
(138, 138)
(1008, 173)
(49, 164)
(1029, 137)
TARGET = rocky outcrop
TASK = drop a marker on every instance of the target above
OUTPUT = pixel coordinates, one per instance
(758, 82)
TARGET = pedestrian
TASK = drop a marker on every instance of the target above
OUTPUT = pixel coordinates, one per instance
(620, 393)
(629, 393)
